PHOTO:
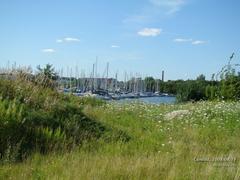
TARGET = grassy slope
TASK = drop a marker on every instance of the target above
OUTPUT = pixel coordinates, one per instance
(38, 119)
(158, 149)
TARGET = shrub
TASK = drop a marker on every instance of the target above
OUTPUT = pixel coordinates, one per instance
(38, 118)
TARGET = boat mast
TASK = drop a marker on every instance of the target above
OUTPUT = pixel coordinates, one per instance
(125, 81)
(106, 85)
(96, 75)
(71, 79)
(67, 83)
(93, 77)
(116, 79)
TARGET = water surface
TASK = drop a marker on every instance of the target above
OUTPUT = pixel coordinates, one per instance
(152, 100)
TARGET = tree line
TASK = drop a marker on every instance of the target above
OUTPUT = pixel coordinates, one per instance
(224, 85)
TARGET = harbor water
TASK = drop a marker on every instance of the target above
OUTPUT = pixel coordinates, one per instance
(152, 100)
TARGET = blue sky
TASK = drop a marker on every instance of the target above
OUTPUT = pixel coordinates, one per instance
(183, 37)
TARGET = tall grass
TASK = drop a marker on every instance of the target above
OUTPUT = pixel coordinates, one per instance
(160, 147)
(35, 118)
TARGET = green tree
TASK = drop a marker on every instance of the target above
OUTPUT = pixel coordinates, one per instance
(201, 78)
(48, 72)
(229, 87)
(150, 84)
(46, 76)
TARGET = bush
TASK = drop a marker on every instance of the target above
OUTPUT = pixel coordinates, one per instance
(192, 90)
(37, 118)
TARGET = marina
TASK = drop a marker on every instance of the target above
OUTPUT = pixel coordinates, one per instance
(109, 88)
(105, 87)
(128, 96)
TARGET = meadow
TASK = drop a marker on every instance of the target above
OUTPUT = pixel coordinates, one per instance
(180, 141)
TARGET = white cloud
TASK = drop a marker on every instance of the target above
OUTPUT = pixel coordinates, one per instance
(171, 6)
(197, 42)
(193, 42)
(179, 40)
(115, 46)
(70, 39)
(149, 32)
(67, 39)
(59, 40)
(48, 50)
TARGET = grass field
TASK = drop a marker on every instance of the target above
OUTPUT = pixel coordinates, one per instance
(182, 141)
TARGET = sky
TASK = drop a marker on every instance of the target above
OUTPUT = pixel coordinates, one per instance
(185, 38)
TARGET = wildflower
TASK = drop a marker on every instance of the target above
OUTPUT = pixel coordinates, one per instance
(175, 114)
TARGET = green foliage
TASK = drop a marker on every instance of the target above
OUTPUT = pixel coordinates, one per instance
(150, 84)
(170, 86)
(189, 90)
(164, 145)
(193, 90)
(229, 87)
(91, 101)
(48, 71)
(46, 76)
(211, 92)
(38, 118)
